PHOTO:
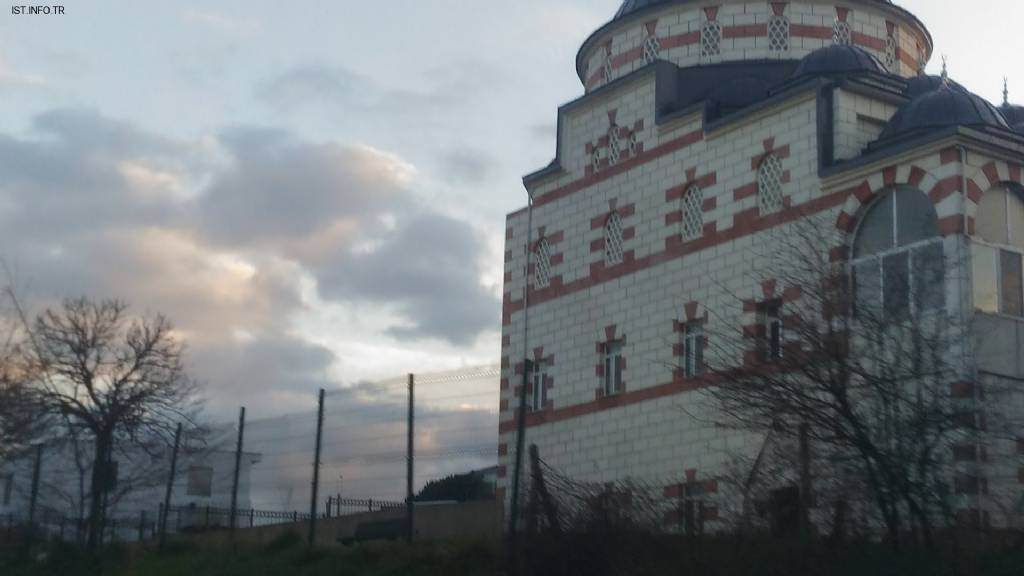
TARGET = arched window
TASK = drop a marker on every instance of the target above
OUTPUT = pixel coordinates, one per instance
(998, 252)
(606, 66)
(898, 264)
(613, 239)
(841, 33)
(614, 145)
(542, 264)
(652, 47)
(693, 213)
(769, 185)
(595, 159)
(778, 34)
(711, 39)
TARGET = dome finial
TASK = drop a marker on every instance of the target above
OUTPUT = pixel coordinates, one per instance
(945, 70)
(1006, 91)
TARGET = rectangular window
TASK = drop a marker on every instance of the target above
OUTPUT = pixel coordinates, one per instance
(998, 280)
(693, 349)
(896, 280)
(1011, 292)
(613, 368)
(929, 277)
(200, 481)
(770, 323)
(538, 396)
(986, 290)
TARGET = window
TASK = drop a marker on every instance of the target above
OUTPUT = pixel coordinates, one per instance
(997, 256)
(711, 39)
(769, 321)
(769, 185)
(652, 46)
(613, 239)
(606, 68)
(778, 34)
(614, 145)
(613, 368)
(634, 144)
(542, 265)
(200, 481)
(693, 349)
(538, 374)
(693, 213)
(890, 52)
(898, 265)
(595, 159)
(841, 33)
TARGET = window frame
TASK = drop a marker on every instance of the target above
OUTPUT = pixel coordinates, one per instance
(997, 251)
(842, 33)
(694, 347)
(611, 359)
(771, 165)
(651, 48)
(542, 264)
(693, 213)
(539, 394)
(783, 28)
(770, 342)
(614, 249)
(711, 39)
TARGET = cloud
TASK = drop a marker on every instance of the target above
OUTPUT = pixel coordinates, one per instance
(9, 77)
(231, 234)
(218, 21)
(467, 167)
(283, 192)
(430, 269)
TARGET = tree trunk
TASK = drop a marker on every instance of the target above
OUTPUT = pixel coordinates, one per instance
(96, 489)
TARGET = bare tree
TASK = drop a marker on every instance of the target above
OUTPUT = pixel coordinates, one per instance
(867, 374)
(119, 380)
(21, 415)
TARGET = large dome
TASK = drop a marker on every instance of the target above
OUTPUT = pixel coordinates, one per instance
(839, 59)
(630, 7)
(944, 107)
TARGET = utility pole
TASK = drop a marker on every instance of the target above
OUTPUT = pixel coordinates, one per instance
(170, 486)
(316, 467)
(410, 509)
(238, 465)
(513, 516)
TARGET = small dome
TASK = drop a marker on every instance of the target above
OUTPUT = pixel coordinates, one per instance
(839, 59)
(925, 83)
(941, 108)
(1014, 114)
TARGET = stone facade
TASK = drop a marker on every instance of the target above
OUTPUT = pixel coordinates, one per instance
(619, 154)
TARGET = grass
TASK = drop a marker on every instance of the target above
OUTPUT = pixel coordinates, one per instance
(621, 555)
(286, 556)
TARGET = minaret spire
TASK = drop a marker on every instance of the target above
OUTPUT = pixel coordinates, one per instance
(945, 71)
(1006, 91)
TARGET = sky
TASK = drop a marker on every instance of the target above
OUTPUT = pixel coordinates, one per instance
(313, 192)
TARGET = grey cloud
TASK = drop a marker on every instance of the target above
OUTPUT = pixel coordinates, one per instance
(430, 268)
(278, 188)
(467, 166)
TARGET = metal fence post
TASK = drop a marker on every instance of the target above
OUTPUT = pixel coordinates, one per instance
(410, 508)
(316, 467)
(238, 464)
(170, 486)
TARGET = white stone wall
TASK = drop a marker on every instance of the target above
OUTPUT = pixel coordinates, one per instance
(858, 120)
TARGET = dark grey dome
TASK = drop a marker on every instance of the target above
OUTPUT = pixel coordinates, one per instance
(944, 107)
(630, 6)
(838, 59)
(1014, 115)
(924, 83)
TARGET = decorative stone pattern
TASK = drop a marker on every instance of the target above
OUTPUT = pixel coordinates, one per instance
(745, 28)
(632, 252)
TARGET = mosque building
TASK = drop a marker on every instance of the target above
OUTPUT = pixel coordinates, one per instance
(704, 130)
